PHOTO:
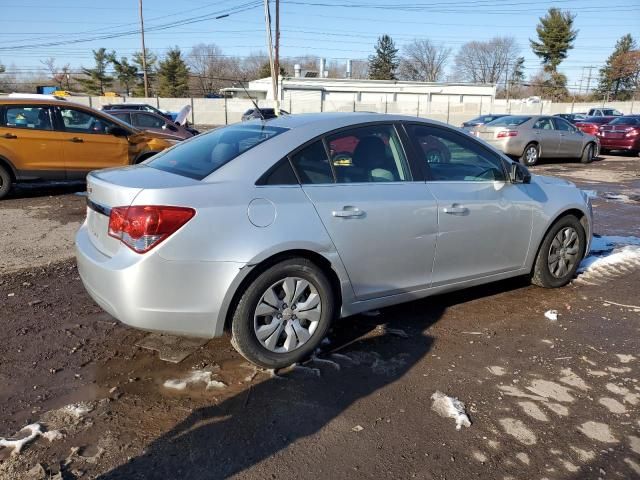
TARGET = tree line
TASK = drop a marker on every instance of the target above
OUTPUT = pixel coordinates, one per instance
(205, 69)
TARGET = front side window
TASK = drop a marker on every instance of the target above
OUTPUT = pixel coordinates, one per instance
(30, 117)
(563, 125)
(79, 121)
(450, 156)
(144, 120)
(202, 155)
(368, 154)
(543, 124)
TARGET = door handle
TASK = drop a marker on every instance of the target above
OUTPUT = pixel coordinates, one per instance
(456, 209)
(348, 212)
(76, 140)
(9, 136)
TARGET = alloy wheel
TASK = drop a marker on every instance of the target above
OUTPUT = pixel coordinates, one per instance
(531, 156)
(287, 314)
(563, 252)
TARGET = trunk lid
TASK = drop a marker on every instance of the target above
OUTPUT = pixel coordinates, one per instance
(614, 131)
(118, 188)
(487, 133)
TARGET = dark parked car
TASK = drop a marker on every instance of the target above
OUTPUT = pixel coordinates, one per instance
(144, 107)
(152, 122)
(622, 133)
(572, 117)
(481, 120)
(591, 125)
(267, 113)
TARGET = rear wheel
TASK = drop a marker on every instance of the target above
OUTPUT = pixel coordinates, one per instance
(530, 155)
(587, 154)
(560, 254)
(5, 182)
(283, 314)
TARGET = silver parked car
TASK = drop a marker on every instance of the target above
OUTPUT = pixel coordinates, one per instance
(531, 137)
(274, 228)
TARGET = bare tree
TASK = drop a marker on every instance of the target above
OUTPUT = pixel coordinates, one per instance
(423, 61)
(211, 69)
(486, 62)
(57, 75)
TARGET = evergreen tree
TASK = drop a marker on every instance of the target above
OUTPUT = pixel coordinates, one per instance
(555, 39)
(619, 75)
(126, 73)
(173, 75)
(383, 65)
(97, 80)
(517, 74)
(151, 59)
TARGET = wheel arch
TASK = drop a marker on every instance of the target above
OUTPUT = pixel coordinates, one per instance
(319, 260)
(4, 162)
(533, 142)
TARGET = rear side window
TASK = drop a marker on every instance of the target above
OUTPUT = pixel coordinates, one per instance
(202, 155)
(145, 120)
(509, 121)
(30, 117)
(280, 174)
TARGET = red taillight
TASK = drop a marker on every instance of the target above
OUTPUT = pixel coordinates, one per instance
(507, 133)
(142, 227)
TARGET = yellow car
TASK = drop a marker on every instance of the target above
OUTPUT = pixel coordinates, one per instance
(43, 139)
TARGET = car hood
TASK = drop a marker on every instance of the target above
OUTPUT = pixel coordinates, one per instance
(146, 135)
(547, 180)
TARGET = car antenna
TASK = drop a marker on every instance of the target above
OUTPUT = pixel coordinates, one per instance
(255, 104)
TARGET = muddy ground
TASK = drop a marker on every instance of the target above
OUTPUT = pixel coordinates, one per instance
(547, 399)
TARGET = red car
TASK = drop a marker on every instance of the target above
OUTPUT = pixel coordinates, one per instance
(591, 125)
(623, 133)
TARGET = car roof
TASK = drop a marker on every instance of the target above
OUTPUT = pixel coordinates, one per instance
(130, 110)
(38, 101)
(338, 118)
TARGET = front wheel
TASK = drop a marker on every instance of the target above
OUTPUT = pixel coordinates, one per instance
(5, 182)
(530, 155)
(587, 154)
(560, 253)
(283, 314)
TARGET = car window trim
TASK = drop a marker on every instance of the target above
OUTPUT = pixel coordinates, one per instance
(475, 142)
(44, 106)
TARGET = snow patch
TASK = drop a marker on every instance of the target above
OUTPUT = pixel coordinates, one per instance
(551, 315)
(195, 377)
(78, 410)
(611, 264)
(625, 358)
(17, 445)
(609, 242)
(450, 407)
(53, 435)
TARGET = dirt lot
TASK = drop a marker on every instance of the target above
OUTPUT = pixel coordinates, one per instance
(555, 399)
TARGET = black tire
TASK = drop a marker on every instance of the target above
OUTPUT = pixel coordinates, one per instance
(542, 274)
(244, 337)
(5, 182)
(528, 159)
(587, 153)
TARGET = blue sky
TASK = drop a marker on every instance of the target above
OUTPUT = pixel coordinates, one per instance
(334, 29)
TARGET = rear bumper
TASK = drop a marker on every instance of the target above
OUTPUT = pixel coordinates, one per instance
(510, 146)
(151, 293)
(620, 143)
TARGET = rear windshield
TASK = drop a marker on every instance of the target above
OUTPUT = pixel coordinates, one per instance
(508, 121)
(625, 121)
(204, 154)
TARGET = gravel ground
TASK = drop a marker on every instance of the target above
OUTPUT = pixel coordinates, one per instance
(547, 399)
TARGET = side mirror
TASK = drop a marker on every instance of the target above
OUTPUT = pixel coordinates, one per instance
(519, 174)
(117, 131)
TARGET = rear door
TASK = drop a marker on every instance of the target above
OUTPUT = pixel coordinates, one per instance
(571, 140)
(87, 145)
(484, 220)
(28, 140)
(382, 222)
(547, 137)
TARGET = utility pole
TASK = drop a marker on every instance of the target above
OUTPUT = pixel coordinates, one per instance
(277, 58)
(144, 55)
(589, 78)
(267, 19)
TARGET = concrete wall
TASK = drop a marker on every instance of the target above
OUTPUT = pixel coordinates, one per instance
(453, 109)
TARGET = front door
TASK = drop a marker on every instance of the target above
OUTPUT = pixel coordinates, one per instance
(87, 145)
(484, 221)
(382, 223)
(571, 139)
(547, 137)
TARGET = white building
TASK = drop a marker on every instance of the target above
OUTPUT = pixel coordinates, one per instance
(340, 93)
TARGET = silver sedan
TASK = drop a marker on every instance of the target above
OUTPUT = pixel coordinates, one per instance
(272, 229)
(531, 137)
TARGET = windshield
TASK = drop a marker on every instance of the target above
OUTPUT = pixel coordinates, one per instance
(625, 121)
(202, 155)
(509, 121)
